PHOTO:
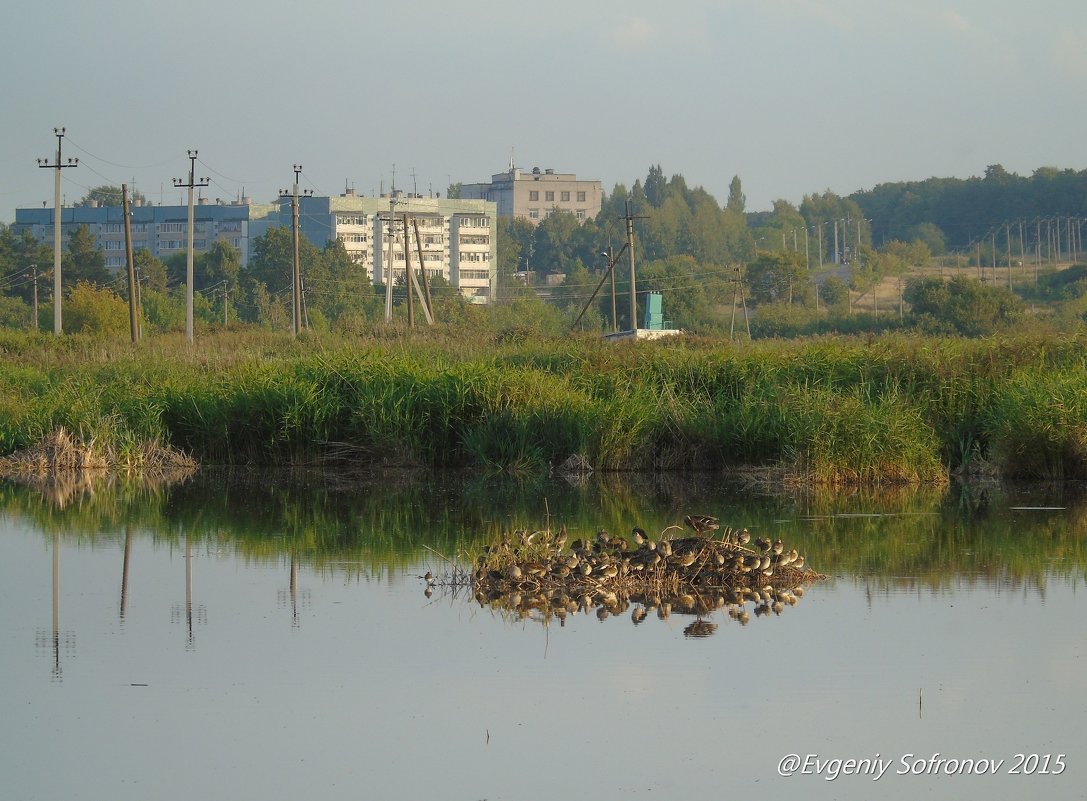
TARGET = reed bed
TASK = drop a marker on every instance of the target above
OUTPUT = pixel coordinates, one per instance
(841, 410)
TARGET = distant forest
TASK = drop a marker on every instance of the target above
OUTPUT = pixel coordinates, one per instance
(966, 210)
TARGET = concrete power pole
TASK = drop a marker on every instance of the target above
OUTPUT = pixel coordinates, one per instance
(34, 274)
(191, 184)
(57, 165)
(296, 265)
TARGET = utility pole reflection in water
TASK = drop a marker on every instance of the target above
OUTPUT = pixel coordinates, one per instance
(292, 594)
(53, 640)
(198, 613)
(124, 570)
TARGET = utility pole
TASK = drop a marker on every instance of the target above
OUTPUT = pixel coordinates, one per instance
(428, 302)
(34, 276)
(837, 257)
(296, 265)
(390, 232)
(131, 265)
(57, 165)
(1037, 249)
(630, 252)
(192, 183)
(807, 250)
(1008, 239)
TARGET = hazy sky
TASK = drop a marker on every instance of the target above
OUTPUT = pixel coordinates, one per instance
(794, 96)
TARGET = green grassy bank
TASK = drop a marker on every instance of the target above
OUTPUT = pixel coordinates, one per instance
(906, 409)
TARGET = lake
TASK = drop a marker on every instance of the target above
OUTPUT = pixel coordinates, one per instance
(267, 635)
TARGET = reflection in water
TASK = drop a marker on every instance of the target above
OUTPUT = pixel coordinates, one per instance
(267, 708)
(372, 526)
(534, 577)
(54, 640)
(190, 612)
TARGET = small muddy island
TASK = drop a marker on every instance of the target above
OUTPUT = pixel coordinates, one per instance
(543, 576)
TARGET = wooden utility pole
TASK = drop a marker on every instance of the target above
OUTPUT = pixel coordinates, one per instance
(630, 218)
(413, 282)
(743, 302)
(57, 165)
(192, 183)
(133, 327)
(427, 301)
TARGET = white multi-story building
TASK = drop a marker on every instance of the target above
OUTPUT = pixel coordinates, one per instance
(457, 239)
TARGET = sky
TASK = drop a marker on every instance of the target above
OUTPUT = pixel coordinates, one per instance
(793, 96)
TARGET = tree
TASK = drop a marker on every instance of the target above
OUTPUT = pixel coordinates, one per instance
(514, 245)
(453, 191)
(107, 195)
(552, 242)
(150, 270)
(736, 198)
(777, 277)
(20, 257)
(655, 186)
(967, 306)
(221, 264)
(833, 292)
(84, 261)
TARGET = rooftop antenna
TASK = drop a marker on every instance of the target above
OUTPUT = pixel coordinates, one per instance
(511, 160)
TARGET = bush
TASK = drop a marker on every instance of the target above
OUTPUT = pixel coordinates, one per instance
(94, 311)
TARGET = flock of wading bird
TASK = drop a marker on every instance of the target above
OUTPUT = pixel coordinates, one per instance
(535, 575)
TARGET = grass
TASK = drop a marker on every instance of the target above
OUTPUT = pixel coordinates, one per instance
(835, 411)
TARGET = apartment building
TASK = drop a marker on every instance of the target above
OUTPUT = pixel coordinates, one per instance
(457, 238)
(537, 194)
(454, 239)
(161, 230)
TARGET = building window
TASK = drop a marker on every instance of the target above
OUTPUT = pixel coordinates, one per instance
(580, 214)
(534, 214)
(171, 228)
(533, 195)
(112, 228)
(565, 197)
(549, 196)
(580, 197)
(113, 245)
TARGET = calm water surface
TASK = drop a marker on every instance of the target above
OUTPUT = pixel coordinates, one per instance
(269, 638)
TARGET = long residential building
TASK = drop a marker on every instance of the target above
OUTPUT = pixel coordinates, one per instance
(457, 238)
(537, 194)
(161, 230)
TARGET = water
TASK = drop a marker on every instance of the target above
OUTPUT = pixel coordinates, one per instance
(269, 638)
